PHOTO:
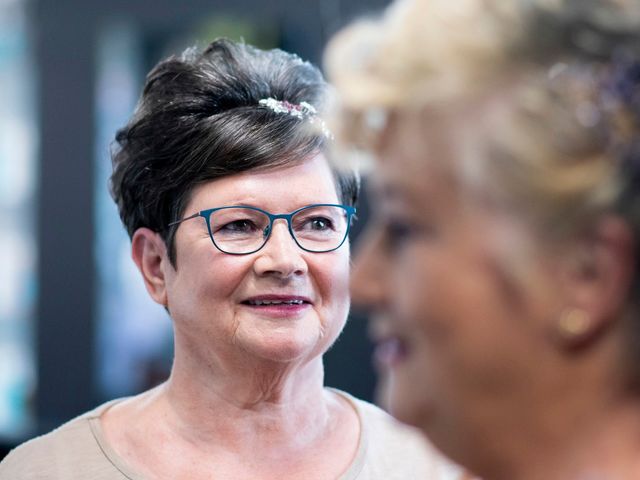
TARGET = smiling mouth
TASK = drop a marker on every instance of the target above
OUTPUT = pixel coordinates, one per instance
(259, 303)
(390, 352)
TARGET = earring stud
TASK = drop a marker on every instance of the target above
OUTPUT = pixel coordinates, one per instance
(573, 324)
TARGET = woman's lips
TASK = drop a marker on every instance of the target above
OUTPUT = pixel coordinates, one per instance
(390, 352)
(391, 348)
(278, 305)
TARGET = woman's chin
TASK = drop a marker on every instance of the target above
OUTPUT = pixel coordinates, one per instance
(282, 341)
(402, 400)
(284, 348)
(281, 353)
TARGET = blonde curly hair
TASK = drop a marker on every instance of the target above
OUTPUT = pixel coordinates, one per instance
(568, 146)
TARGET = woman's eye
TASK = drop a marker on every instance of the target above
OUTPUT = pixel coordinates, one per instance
(399, 232)
(321, 224)
(238, 226)
(318, 224)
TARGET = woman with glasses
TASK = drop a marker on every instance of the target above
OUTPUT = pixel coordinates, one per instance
(239, 228)
(503, 270)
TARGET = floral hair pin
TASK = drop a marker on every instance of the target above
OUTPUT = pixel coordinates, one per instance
(302, 110)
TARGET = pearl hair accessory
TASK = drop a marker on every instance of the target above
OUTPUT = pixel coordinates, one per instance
(302, 111)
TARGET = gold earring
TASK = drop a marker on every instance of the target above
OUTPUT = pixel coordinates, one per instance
(573, 324)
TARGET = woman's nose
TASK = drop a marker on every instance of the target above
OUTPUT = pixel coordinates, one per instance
(281, 255)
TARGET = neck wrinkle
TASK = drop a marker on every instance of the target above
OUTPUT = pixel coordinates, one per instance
(270, 402)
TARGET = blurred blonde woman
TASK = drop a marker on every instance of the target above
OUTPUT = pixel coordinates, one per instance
(502, 268)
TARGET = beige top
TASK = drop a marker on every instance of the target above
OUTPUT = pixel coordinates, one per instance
(78, 451)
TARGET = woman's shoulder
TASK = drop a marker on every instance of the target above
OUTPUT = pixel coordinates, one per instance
(69, 452)
(382, 427)
(393, 450)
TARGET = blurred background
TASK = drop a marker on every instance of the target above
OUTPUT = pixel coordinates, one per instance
(76, 325)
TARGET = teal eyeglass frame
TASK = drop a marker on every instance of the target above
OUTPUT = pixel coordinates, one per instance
(206, 214)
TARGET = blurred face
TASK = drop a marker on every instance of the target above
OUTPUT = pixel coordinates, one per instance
(458, 332)
(279, 304)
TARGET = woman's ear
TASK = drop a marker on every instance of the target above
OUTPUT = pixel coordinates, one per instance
(597, 272)
(149, 253)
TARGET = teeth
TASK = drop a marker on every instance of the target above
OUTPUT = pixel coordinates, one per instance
(276, 302)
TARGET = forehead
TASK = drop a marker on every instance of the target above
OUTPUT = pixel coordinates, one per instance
(309, 181)
(443, 148)
(414, 158)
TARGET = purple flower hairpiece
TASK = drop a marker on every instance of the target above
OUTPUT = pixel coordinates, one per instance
(623, 82)
(620, 92)
(302, 111)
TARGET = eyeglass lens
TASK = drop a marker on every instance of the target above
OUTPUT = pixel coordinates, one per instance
(244, 230)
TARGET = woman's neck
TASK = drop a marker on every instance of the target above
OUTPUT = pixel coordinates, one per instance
(274, 400)
(246, 425)
(602, 444)
(604, 447)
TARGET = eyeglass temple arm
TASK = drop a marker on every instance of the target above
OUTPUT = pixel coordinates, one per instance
(197, 214)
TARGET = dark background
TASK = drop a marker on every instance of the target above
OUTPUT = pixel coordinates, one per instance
(65, 53)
